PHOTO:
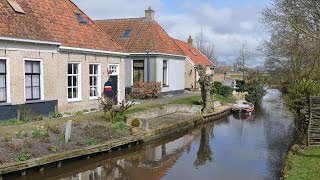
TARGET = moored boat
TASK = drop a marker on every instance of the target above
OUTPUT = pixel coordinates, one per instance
(243, 106)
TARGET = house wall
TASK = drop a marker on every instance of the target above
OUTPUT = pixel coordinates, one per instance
(54, 74)
(192, 76)
(176, 71)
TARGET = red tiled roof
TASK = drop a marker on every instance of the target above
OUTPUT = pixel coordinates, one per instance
(145, 36)
(193, 53)
(53, 20)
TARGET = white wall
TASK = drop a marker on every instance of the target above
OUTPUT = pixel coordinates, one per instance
(176, 68)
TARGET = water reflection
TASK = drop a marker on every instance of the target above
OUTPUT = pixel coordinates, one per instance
(237, 147)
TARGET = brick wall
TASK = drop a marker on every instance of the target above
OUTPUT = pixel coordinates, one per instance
(55, 76)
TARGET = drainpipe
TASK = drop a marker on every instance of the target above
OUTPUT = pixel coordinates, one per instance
(148, 67)
(195, 77)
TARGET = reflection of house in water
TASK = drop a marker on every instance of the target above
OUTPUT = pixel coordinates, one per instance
(150, 163)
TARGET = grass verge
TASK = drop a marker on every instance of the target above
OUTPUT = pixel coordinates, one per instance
(303, 164)
(193, 100)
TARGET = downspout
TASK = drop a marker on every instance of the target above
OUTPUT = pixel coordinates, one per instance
(148, 67)
(195, 77)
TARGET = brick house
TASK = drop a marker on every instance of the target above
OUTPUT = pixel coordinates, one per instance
(53, 55)
(194, 58)
(154, 56)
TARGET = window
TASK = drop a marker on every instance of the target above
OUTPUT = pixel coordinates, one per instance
(3, 82)
(138, 71)
(80, 18)
(74, 81)
(94, 76)
(15, 6)
(165, 73)
(126, 33)
(32, 80)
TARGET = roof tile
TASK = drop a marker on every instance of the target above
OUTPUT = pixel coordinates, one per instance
(53, 20)
(193, 53)
(146, 36)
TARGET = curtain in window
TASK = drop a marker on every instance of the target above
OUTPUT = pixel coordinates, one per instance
(3, 88)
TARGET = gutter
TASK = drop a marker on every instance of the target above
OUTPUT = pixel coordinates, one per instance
(157, 54)
(92, 51)
(29, 41)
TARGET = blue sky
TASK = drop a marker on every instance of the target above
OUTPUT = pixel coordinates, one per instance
(225, 23)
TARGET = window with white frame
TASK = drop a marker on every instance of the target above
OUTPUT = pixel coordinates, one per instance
(32, 80)
(3, 81)
(74, 81)
(165, 73)
(94, 76)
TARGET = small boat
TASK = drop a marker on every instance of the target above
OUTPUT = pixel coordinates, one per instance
(243, 106)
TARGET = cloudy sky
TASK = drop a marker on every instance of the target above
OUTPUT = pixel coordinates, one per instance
(226, 23)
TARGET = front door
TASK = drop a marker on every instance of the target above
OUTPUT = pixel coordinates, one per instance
(114, 75)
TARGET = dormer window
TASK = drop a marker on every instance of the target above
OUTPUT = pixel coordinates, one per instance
(80, 18)
(15, 6)
(126, 33)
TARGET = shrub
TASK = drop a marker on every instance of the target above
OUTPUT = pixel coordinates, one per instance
(135, 123)
(120, 125)
(255, 93)
(79, 113)
(19, 134)
(53, 128)
(57, 115)
(68, 113)
(53, 148)
(93, 109)
(91, 142)
(23, 157)
(219, 89)
(241, 85)
(146, 90)
(86, 111)
(39, 133)
(7, 137)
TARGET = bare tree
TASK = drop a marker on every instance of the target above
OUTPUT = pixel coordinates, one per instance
(205, 47)
(243, 58)
(292, 51)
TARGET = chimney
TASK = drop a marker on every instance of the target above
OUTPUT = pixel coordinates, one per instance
(190, 40)
(149, 14)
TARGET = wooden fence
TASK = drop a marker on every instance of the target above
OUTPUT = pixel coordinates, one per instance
(313, 121)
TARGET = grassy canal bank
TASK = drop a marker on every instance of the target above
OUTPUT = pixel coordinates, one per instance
(35, 143)
(303, 163)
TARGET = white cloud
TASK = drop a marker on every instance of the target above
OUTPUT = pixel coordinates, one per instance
(226, 27)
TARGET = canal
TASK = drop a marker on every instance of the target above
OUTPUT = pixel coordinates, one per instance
(236, 147)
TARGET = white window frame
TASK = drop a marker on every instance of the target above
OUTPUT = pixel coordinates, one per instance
(98, 81)
(167, 79)
(79, 98)
(8, 89)
(41, 79)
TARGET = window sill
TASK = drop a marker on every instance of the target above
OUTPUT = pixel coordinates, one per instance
(5, 104)
(93, 98)
(74, 100)
(165, 85)
(34, 101)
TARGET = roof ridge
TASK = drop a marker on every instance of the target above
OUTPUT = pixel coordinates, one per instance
(119, 19)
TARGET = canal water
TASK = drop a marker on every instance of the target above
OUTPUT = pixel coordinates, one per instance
(237, 147)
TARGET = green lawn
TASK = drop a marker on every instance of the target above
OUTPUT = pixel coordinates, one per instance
(223, 99)
(139, 108)
(193, 100)
(305, 164)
